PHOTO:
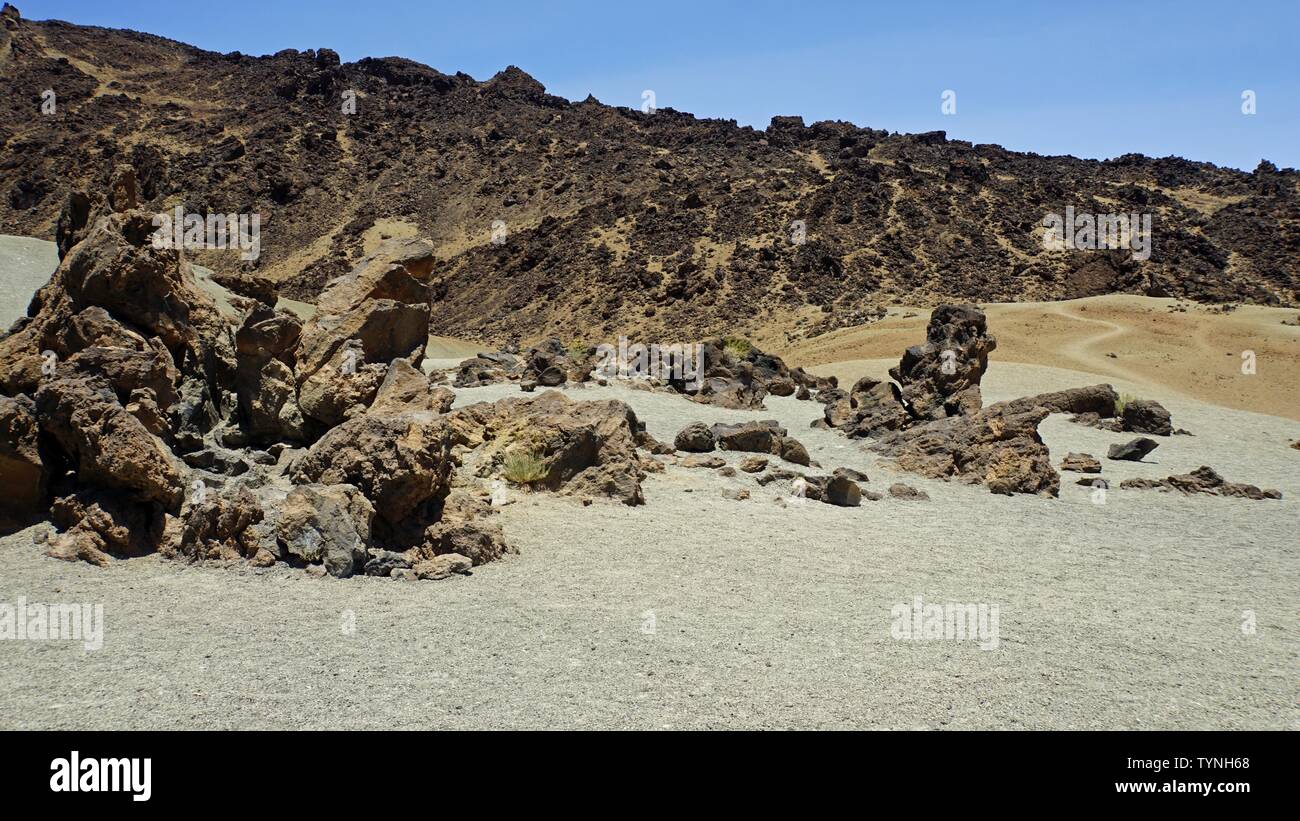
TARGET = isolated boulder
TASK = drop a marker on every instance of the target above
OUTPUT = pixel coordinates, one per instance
(837, 490)
(760, 437)
(1147, 416)
(1081, 463)
(1132, 451)
(898, 490)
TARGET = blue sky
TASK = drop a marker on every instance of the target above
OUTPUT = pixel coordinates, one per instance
(1093, 79)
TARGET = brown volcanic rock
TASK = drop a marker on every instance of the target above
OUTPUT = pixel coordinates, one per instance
(1132, 451)
(327, 525)
(1147, 416)
(23, 473)
(377, 312)
(221, 526)
(837, 490)
(869, 408)
(587, 448)
(1093, 399)
(998, 447)
(1202, 480)
(264, 382)
(1081, 463)
(402, 463)
(104, 444)
(942, 377)
(98, 524)
(112, 292)
(406, 388)
(695, 438)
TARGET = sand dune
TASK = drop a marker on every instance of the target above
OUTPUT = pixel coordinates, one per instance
(1194, 353)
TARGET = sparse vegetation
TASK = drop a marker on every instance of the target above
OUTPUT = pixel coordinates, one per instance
(737, 346)
(577, 350)
(1122, 402)
(523, 467)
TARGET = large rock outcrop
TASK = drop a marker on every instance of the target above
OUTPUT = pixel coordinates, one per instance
(998, 446)
(587, 449)
(376, 313)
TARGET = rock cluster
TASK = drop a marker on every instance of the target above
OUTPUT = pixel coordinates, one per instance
(931, 419)
(730, 374)
(765, 436)
(143, 410)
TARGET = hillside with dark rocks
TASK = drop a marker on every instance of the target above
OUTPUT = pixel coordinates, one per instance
(610, 220)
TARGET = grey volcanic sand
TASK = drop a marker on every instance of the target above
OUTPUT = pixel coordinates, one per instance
(25, 265)
(696, 611)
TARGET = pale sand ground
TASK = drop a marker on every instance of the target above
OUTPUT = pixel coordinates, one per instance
(1122, 615)
(25, 265)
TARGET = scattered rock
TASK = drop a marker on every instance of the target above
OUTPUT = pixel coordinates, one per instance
(1081, 463)
(753, 464)
(836, 490)
(1132, 451)
(711, 462)
(695, 438)
(1202, 480)
(901, 491)
(1146, 416)
(442, 567)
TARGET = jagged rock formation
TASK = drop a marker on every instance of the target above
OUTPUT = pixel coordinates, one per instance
(609, 220)
(142, 413)
(932, 423)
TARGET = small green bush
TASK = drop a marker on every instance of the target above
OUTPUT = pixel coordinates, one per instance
(523, 467)
(737, 346)
(1122, 402)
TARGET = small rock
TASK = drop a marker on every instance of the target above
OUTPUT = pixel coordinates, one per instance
(753, 464)
(1081, 463)
(1132, 451)
(712, 462)
(440, 567)
(901, 491)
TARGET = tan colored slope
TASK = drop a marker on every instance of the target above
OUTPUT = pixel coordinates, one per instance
(1196, 353)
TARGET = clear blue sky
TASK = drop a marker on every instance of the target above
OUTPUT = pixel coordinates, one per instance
(1093, 79)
